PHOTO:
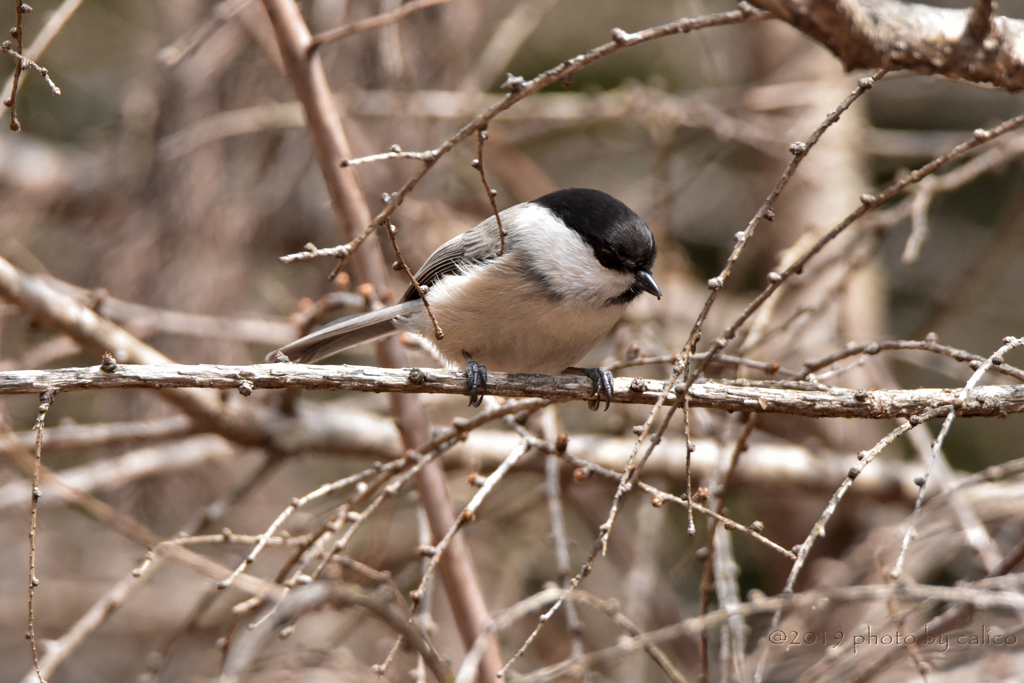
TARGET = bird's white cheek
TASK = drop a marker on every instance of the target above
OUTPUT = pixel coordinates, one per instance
(565, 261)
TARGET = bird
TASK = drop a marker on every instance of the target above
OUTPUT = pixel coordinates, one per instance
(537, 301)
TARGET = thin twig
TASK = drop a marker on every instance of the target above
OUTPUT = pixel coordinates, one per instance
(718, 488)
(500, 621)
(25, 62)
(19, 9)
(529, 606)
(952, 618)
(423, 611)
(922, 481)
(61, 648)
(868, 203)
(682, 367)
(553, 493)
(373, 22)
(380, 603)
(752, 530)
(975, 533)
(54, 23)
(583, 469)
(45, 401)
(844, 265)
(920, 204)
(400, 264)
(864, 458)
(811, 599)
(296, 503)
(691, 528)
(311, 251)
(392, 478)
(468, 514)
(520, 88)
(929, 344)
(294, 572)
(478, 164)
(356, 519)
(313, 551)
(765, 212)
(185, 45)
(382, 668)
(394, 153)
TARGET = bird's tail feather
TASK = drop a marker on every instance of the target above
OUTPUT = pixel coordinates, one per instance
(347, 332)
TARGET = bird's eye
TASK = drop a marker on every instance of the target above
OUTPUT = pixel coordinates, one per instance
(608, 258)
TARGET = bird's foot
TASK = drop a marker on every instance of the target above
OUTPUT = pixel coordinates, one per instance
(602, 380)
(476, 381)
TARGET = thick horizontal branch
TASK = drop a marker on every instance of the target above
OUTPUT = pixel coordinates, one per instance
(49, 308)
(794, 398)
(873, 34)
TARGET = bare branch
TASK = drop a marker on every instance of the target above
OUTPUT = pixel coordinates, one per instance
(467, 516)
(373, 22)
(63, 438)
(379, 603)
(54, 23)
(922, 481)
(478, 164)
(330, 144)
(109, 474)
(53, 484)
(173, 54)
(793, 398)
(889, 34)
(19, 64)
(296, 503)
(45, 401)
(26, 62)
(930, 344)
(521, 88)
(400, 264)
(99, 335)
(974, 598)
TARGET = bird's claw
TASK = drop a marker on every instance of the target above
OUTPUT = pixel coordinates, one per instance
(602, 380)
(476, 381)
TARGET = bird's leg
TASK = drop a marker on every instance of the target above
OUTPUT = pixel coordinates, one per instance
(476, 381)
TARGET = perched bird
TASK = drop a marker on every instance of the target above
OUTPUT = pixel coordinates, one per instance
(572, 261)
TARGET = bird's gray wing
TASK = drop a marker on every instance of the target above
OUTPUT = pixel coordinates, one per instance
(475, 246)
(478, 245)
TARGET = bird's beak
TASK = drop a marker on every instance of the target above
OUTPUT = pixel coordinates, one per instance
(645, 281)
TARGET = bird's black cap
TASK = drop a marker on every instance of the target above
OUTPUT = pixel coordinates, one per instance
(620, 239)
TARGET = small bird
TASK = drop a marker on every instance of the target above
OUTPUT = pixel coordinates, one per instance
(572, 262)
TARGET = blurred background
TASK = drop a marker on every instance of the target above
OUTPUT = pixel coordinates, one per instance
(163, 184)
